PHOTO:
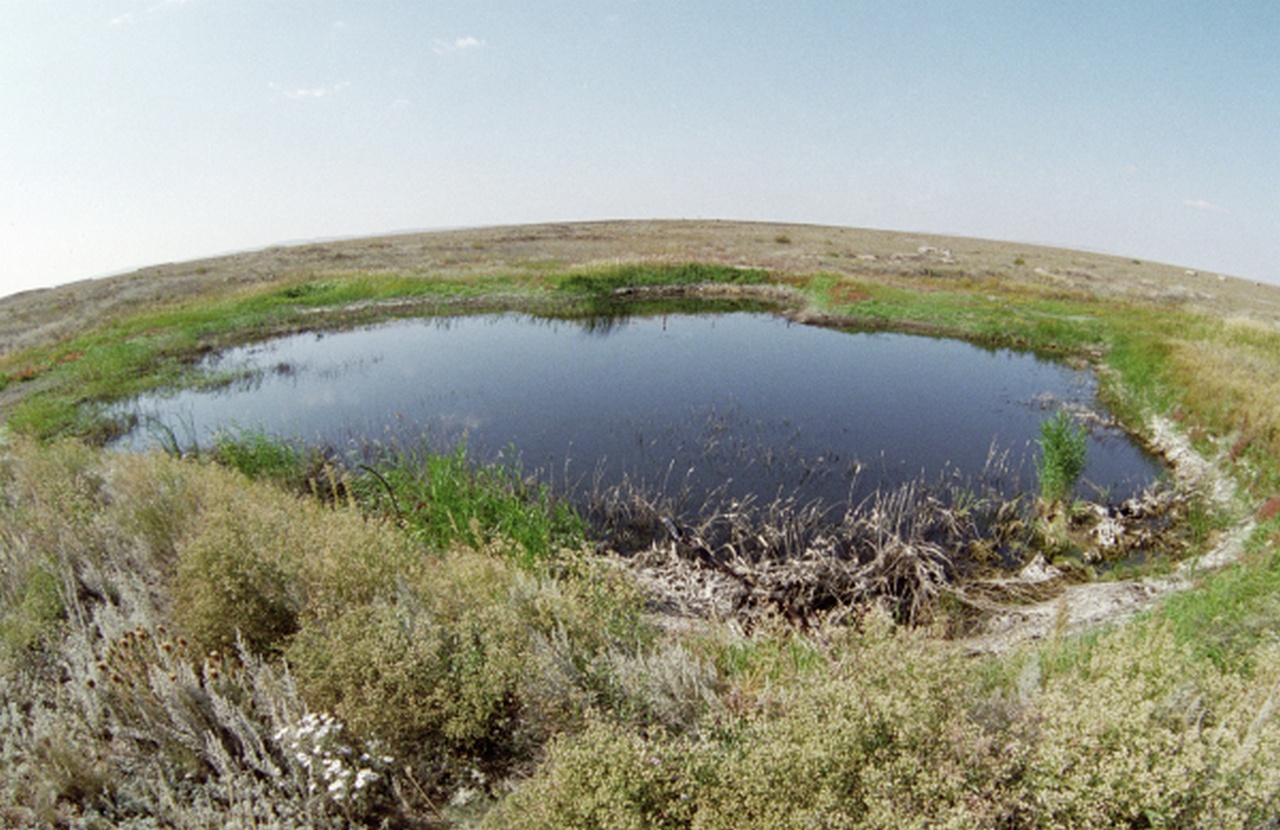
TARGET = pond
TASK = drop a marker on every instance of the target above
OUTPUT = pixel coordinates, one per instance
(735, 404)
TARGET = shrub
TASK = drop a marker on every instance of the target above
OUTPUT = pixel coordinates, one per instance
(856, 745)
(225, 592)
(258, 560)
(1063, 452)
(900, 732)
(607, 777)
(234, 580)
(433, 672)
(1138, 732)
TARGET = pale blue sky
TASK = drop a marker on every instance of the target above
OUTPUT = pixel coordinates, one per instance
(134, 132)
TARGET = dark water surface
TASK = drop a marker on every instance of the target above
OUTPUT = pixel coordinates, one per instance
(749, 402)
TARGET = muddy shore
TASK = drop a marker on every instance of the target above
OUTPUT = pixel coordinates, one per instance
(921, 261)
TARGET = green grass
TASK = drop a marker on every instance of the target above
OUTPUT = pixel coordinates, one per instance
(1063, 452)
(1233, 615)
(973, 310)
(449, 611)
(262, 456)
(603, 282)
(443, 499)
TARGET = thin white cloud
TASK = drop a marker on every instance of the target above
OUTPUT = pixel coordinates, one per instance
(310, 93)
(131, 17)
(1206, 207)
(462, 44)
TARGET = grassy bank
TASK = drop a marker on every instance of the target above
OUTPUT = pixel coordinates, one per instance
(160, 347)
(255, 635)
(185, 643)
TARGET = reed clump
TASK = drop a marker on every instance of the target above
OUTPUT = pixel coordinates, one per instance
(1063, 454)
(189, 646)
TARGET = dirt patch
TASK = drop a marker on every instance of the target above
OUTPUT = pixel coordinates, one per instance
(46, 316)
(1082, 606)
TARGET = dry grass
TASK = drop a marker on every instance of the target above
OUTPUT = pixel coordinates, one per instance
(921, 260)
(1235, 375)
(460, 684)
(147, 604)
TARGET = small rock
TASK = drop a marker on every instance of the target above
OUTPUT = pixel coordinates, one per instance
(1108, 533)
(1038, 570)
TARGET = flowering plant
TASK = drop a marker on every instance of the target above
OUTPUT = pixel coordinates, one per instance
(316, 744)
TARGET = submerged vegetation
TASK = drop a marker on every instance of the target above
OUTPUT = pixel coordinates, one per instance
(264, 634)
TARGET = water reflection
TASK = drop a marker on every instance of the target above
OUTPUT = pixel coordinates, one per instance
(747, 403)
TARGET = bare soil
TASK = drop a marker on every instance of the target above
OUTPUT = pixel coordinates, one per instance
(1072, 608)
(47, 316)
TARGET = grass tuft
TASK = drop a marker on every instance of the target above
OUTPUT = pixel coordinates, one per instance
(443, 500)
(603, 282)
(1063, 454)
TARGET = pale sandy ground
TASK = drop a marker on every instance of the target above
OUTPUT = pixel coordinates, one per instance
(45, 315)
(48, 315)
(1090, 604)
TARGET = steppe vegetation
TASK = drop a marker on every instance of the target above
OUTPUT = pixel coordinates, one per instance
(260, 635)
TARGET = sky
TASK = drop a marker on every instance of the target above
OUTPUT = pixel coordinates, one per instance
(135, 132)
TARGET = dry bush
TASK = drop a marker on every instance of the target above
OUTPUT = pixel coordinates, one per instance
(1137, 731)
(476, 663)
(259, 560)
(862, 746)
(228, 585)
(148, 564)
(430, 670)
(104, 718)
(606, 777)
(663, 688)
(896, 731)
